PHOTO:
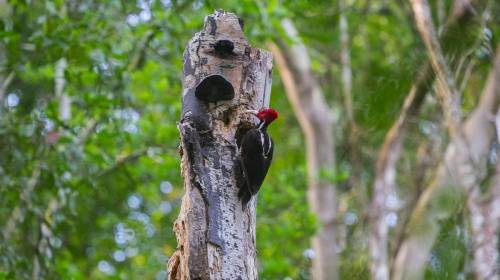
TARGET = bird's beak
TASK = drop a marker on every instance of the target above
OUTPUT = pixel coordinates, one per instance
(255, 112)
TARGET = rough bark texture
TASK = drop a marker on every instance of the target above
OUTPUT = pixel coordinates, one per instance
(385, 181)
(485, 208)
(313, 114)
(463, 164)
(215, 234)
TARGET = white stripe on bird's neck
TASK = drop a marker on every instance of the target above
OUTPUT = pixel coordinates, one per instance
(261, 125)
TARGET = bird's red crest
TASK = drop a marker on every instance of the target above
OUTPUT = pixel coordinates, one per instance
(268, 115)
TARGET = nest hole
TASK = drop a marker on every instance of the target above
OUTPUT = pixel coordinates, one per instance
(214, 88)
(228, 115)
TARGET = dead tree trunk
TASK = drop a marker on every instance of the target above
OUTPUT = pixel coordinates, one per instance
(223, 77)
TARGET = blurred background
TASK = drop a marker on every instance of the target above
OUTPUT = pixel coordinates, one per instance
(90, 94)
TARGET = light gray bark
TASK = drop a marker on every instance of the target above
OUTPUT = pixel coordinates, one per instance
(385, 177)
(485, 217)
(215, 235)
(314, 116)
(60, 83)
(431, 209)
(354, 132)
(463, 164)
(485, 207)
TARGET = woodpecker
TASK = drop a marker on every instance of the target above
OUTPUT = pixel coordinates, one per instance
(256, 154)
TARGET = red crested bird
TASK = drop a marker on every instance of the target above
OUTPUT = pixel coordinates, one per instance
(256, 154)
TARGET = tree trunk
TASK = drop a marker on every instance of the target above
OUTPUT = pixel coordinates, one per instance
(485, 207)
(485, 217)
(223, 77)
(314, 116)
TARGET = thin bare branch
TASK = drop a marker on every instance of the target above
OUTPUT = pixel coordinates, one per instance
(353, 140)
(3, 87)
(87, 131)
(121, 161)
(18, 211)
(445, 82)
(6, 83)
(385, 184)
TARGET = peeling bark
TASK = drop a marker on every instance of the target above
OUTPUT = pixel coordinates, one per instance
(215, 234)
(314, 116)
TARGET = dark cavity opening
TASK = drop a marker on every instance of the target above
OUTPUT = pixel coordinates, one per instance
(214, 88)
(224, 47)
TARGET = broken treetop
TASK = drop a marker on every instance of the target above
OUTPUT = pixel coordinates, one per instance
(219, 65)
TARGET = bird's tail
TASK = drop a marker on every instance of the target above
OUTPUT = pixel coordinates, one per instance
(244, 193)
(245, 196)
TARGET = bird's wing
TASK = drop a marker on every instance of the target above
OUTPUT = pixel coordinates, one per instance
(256, 159)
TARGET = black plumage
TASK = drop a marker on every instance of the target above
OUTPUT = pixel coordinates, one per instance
(256, 152)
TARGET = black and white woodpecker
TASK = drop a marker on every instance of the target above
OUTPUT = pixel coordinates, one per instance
(256, 154)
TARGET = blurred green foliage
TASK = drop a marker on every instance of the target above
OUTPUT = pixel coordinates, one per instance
(95, 196)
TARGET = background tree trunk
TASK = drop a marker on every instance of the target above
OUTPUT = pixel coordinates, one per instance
(430, 210)
(355, 155)
(314, 116)
(463, 166)
(215, 235)
(485, 216)
(462, 19)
